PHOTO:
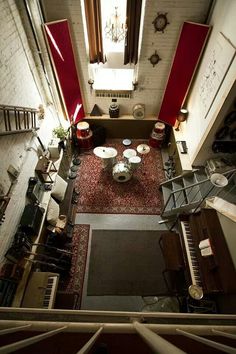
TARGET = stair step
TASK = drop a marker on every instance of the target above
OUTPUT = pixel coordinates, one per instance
(193, 194)
(167, 190)
(206, 187)
(179, 197)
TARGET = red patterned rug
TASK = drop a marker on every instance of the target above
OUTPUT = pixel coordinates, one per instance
(74, 283)
(100, 193)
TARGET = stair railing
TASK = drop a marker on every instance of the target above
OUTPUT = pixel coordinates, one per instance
(18, 119)
(229, 174)
(153, 328)
(183, 189)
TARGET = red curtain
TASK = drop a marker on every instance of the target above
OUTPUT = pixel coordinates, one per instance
(61, 50)
(191, 43)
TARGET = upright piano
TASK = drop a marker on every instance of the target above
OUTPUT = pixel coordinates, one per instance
(215, 273)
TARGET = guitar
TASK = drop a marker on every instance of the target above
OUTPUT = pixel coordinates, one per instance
(4, 200)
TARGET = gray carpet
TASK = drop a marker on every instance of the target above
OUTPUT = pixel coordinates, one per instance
(126, 263)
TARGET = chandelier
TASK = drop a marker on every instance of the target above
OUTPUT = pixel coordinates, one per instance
(114, 29)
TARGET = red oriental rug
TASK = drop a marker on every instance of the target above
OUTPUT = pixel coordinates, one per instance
(100, 193)
(74, 283)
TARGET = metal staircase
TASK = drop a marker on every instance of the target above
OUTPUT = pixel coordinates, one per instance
(15, 120)
(186, 192)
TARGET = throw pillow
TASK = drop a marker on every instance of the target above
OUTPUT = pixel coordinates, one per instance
(59, 189)
(53, 212)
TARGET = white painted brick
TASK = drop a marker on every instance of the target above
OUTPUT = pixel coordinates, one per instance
(17, 87)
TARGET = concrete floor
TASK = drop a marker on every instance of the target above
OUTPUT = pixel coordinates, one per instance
(117, 222)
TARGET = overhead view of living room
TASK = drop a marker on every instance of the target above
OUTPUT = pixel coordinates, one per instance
(118, 176)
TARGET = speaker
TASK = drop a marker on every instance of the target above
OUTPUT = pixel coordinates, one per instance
(31, 219)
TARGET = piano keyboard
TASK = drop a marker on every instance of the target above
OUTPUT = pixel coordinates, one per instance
(50, 292)
(191, 253)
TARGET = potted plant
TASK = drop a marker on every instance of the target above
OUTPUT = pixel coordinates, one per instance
(61, 133)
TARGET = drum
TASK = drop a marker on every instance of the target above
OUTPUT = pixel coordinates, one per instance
(134, 162)
(121, 172)
(128, 153)
(83, 129)
(86, 143)
(157, 135)
(159, 128)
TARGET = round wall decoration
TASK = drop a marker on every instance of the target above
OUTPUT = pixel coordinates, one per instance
(160, 22)
(138, 111)
(154, 58)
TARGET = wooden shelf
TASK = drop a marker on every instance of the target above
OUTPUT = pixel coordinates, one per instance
(126, 126)
(122, 117)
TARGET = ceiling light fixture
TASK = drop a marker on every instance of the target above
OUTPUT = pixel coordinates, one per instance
(115, 30)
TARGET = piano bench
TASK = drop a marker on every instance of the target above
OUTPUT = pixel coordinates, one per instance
(171, 249)
(169, 243)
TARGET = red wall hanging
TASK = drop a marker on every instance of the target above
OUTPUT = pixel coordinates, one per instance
(190, 46)
(61, 50)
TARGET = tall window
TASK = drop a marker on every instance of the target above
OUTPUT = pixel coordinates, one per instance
(112, 74)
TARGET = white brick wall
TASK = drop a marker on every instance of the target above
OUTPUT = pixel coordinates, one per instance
(19, 85)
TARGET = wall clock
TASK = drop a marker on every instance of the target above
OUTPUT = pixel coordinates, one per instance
(160, 22)
(154, 58)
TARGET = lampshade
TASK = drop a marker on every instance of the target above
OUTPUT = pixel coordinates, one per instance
(183, 114)
(218, 180)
